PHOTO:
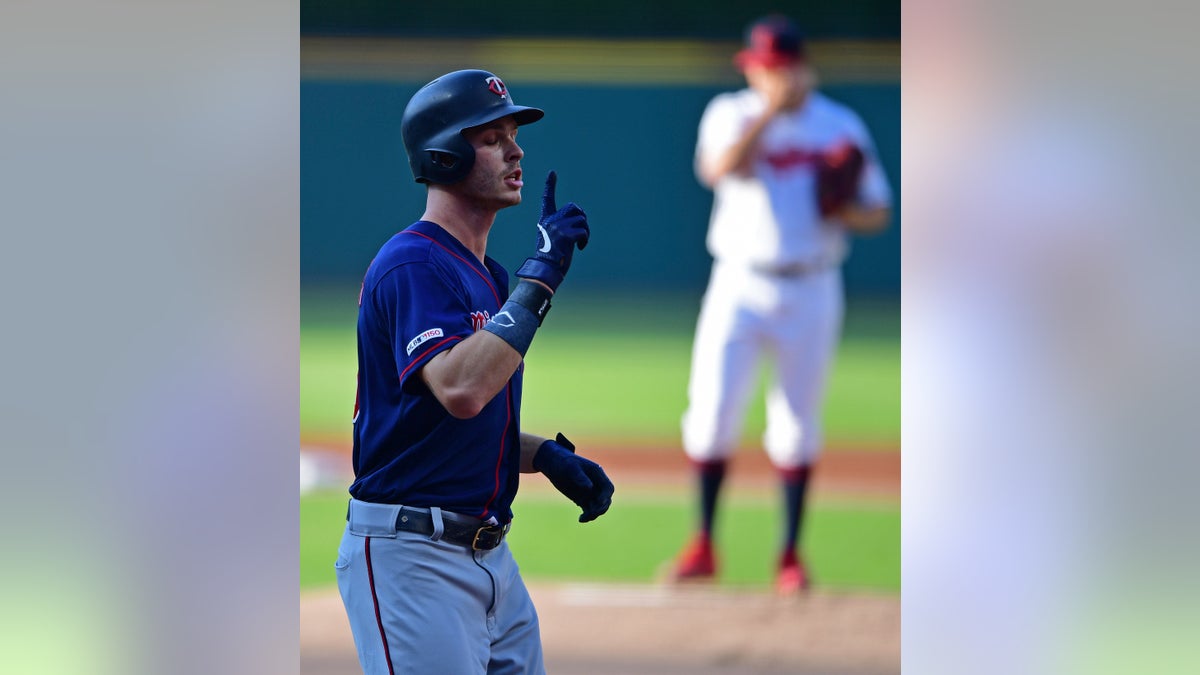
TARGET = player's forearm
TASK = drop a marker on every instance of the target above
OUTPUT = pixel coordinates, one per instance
(468, 376)
(739, 157)
(529, 448)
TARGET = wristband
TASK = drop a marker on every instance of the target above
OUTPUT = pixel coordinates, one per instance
(534, 297)
(519, 318)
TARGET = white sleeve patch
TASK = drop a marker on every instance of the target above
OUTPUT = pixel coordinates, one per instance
(429, 334)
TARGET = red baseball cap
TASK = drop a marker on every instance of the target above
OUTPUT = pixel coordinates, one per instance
(771, 41)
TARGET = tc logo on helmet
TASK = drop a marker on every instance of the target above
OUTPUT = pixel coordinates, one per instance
(496, 86)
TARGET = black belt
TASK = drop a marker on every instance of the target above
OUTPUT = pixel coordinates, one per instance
(790, 270)
(474, 535)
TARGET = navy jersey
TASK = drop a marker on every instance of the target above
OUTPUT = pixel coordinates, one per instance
(423, 293)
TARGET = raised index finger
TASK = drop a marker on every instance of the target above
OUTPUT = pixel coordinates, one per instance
(548, 206)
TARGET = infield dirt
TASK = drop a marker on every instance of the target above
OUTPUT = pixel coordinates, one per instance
(623, 629)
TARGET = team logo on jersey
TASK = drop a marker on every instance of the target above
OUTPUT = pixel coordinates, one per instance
(479, 318)
(496, 86)
(791, 158)
(427, 335)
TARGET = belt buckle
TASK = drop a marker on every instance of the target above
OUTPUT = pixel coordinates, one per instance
(488, 537)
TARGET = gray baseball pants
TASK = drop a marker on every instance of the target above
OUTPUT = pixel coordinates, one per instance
(422, 605)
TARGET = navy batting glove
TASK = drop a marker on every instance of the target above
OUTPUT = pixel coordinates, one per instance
(580, 479)
(559, 232)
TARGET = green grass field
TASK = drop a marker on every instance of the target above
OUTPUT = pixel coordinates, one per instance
(616, 369)
(850, 546)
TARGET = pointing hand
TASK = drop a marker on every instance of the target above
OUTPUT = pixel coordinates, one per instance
(559, 232)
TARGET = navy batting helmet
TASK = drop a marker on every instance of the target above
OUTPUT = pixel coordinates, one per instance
(437, 114)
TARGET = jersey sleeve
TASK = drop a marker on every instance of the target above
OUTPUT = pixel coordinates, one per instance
(720, 125)
(424, 314)
(873, 189)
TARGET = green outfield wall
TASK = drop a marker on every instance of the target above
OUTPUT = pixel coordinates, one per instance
(620, 131)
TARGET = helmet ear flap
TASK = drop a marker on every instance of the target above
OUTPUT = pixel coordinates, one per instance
(442, 159)
(447, 159)
(439, 166)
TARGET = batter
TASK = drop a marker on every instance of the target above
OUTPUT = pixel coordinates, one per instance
(424, 569)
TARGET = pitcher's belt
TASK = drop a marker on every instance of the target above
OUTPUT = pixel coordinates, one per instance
(791, 270)
(373, 519)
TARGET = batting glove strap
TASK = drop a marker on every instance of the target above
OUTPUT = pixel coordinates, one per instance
(521, 315)
(541, 270)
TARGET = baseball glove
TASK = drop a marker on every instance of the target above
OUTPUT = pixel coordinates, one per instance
(838, 172)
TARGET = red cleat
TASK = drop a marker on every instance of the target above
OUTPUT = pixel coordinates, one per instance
(792, 577)
(697, 562)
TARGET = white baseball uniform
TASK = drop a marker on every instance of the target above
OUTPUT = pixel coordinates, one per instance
(776, 287)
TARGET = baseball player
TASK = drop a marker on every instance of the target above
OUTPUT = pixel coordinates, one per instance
(424, 569)
(776, 155)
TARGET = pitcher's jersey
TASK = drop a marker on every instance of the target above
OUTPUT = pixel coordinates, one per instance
(423, 293)
(770, 218)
